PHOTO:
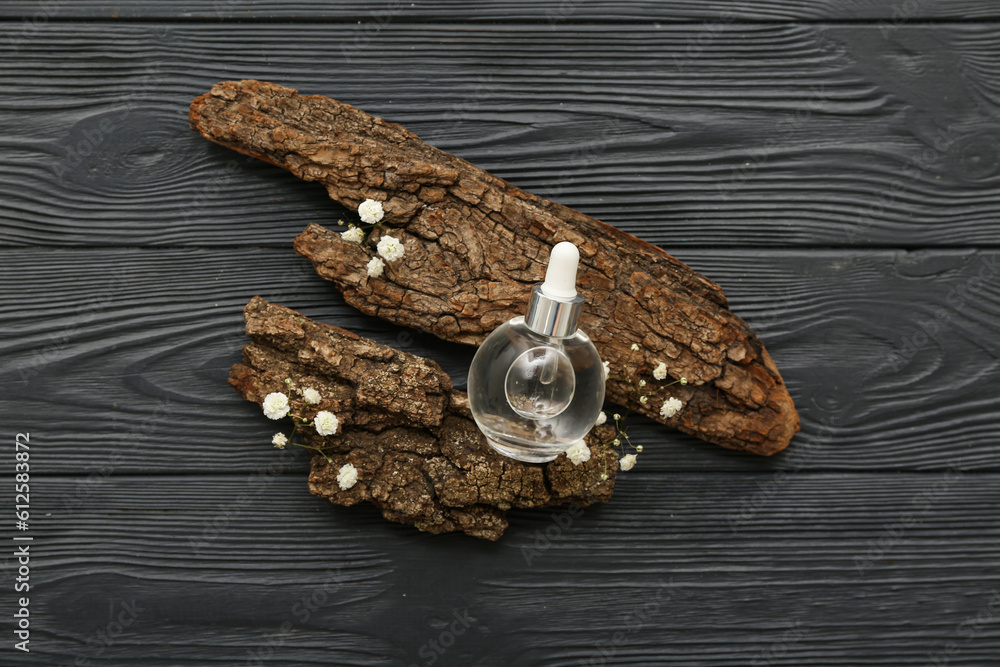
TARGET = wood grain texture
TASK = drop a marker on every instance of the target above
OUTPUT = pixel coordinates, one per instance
(221, 541)
(770, 135)
(892, 356)
(552, 12)
(220, 569)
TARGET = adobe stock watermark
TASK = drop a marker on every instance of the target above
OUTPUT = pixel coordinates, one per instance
(83, 314)
(584, 158)
(29, 27)
(830, 418)
(913, 171)
(561, 12)
(792, 635)
(710, 31)
(365, 32)
(225, 8)
(302, 611)
(546, 539)
(893, 533)
(966, 631)
(695, 46)
(741, 175)
(128, 442)
(766, 491)
(123, 616)
(957, 298)
(106, 127)
(456, 625)
(900, 15)
(213, 186)
(461, 111)
(818, 99)
(257, 483)
(635, 619)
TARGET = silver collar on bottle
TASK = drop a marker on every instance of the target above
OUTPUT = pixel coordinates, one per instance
(548, 316)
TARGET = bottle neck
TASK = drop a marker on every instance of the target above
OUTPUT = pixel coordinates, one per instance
(548, 316)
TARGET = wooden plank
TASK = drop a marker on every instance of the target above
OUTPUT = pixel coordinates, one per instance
(891, 356)
(552, 12)
(217, 571)
(764, 135)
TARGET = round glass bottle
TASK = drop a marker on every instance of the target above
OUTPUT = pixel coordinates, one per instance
(536, 385)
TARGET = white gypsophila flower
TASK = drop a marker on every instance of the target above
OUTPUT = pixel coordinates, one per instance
(627, 462)
(643, 399)
(370, 211)
(607, 369)
(390, 248)
(683, 380)
(375, 267)
(326, 422)
(635, 347)
(642, 383)
(347, 476)
(353, 235)
(275, 405)
(671, 407)
(578, 452)
(311, 396)
(601, 418)
(279, 440)
(660, 372)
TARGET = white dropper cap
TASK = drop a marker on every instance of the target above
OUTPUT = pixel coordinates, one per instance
(560, 277)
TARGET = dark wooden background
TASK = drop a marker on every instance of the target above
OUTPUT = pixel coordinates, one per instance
(833, 164)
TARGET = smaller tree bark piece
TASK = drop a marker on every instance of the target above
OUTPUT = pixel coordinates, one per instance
(420, 457)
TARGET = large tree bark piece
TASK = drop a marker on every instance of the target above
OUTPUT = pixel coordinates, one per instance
(475, 244)
(419, 455)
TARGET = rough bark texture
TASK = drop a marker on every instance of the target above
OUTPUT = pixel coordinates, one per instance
(420, 457)
(475, 244)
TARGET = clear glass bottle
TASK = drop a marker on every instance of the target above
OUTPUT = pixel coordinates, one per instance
(536, 385)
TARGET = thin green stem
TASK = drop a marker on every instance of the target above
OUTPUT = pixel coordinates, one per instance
(315, 449)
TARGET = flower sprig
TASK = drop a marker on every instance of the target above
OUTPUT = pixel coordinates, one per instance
(389, 248)
(277, 406)
(643, 393)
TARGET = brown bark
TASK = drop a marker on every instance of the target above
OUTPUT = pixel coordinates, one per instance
(475, 244)
(420, 457)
